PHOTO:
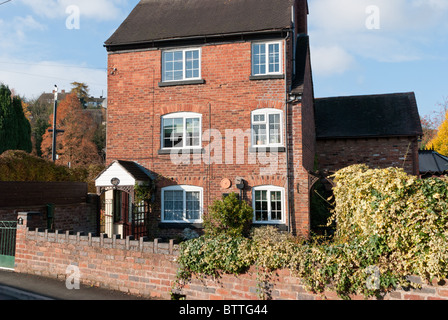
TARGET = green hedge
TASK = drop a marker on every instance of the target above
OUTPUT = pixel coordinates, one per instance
(22, 166)
(389, 225)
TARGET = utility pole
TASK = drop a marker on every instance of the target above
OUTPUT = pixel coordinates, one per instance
(54, 122)
(54, 130)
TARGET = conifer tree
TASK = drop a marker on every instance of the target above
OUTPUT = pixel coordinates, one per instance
(15, 129)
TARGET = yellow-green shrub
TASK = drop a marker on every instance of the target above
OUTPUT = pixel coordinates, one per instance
(389, 225)
(408, 214)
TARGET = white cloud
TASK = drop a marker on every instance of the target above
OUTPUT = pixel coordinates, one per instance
(30, 79)
(405, 28)
(102, 10)
(328, 61)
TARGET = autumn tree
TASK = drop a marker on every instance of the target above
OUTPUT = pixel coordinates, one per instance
(81, 90)
(440, 142)
(15, 129)
(37, 113)
(75, 145)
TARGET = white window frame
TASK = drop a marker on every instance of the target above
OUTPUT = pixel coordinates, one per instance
(280, 53)
(185, 189)
(269, 189)
(266, 113)
(184, 116)
(184, 64)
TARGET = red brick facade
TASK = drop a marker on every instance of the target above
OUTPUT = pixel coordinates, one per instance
(225, 101)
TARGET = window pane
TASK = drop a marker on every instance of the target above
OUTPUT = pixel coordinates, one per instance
(259, 118)
(259, 131)
(258, 59)
(178, 134)
(168, 204)
(274, 128)
(274, 57)
(261, 205)
(172, 65)
(276, 205)
(193, 205)
(173, 205)
(193, 132)
(192, 64)
(168, 128)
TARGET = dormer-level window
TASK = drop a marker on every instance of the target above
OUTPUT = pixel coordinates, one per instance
(267, 128)
(266, 58)
(181, 130)
(181, 64)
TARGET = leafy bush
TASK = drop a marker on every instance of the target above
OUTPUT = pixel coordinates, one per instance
(22, 166)
(212, 255)
(389, 225)
(408, 215)
(230, 216)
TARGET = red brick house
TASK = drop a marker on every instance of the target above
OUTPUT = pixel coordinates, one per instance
(200, 95)
(207, 98)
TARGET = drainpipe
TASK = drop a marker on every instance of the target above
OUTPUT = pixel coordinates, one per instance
(287, 136)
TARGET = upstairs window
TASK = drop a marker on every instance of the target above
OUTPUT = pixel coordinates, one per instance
(267, 128)
(266, 58)
(180, 65)
(181, 130)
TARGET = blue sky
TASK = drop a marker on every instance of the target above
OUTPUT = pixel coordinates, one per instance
(357, 46)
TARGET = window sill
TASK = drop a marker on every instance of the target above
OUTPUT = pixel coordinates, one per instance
(182, 151)
(267, 149)
(180, 225)
(181, 83)
(267, 77)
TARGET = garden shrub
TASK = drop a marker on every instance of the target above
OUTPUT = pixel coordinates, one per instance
(230, 215)
(389, 225)
(22, 166)
(212, 255)
(408, 215)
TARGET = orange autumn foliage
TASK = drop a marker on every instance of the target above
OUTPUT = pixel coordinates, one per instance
(75, 145)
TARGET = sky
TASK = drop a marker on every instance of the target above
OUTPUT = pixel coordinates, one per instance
(358, 47)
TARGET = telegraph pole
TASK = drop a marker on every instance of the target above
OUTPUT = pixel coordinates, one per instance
(54, 122)
(54, 130)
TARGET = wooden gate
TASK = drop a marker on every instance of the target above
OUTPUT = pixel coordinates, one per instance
(7, 244)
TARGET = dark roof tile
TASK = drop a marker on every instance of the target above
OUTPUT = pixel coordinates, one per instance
(383, 115)
(155, 20)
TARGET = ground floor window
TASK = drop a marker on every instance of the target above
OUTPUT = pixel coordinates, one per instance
(182, 204)
(268, 204)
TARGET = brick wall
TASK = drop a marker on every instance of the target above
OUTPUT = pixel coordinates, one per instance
(136, 104)
(149, 269)
(399, 152)
(77, 217)
(74, 209)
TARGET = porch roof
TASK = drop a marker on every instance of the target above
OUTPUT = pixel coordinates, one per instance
(128, 172)
(432, 163)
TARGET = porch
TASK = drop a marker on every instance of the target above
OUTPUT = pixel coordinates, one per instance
(125, 189)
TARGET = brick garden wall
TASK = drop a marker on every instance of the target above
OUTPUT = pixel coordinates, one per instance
(74, 208)
(149, 269)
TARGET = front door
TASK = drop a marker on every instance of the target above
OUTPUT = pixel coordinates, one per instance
(122, 213)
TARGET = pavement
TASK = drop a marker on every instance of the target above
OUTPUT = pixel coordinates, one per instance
(17, 286)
